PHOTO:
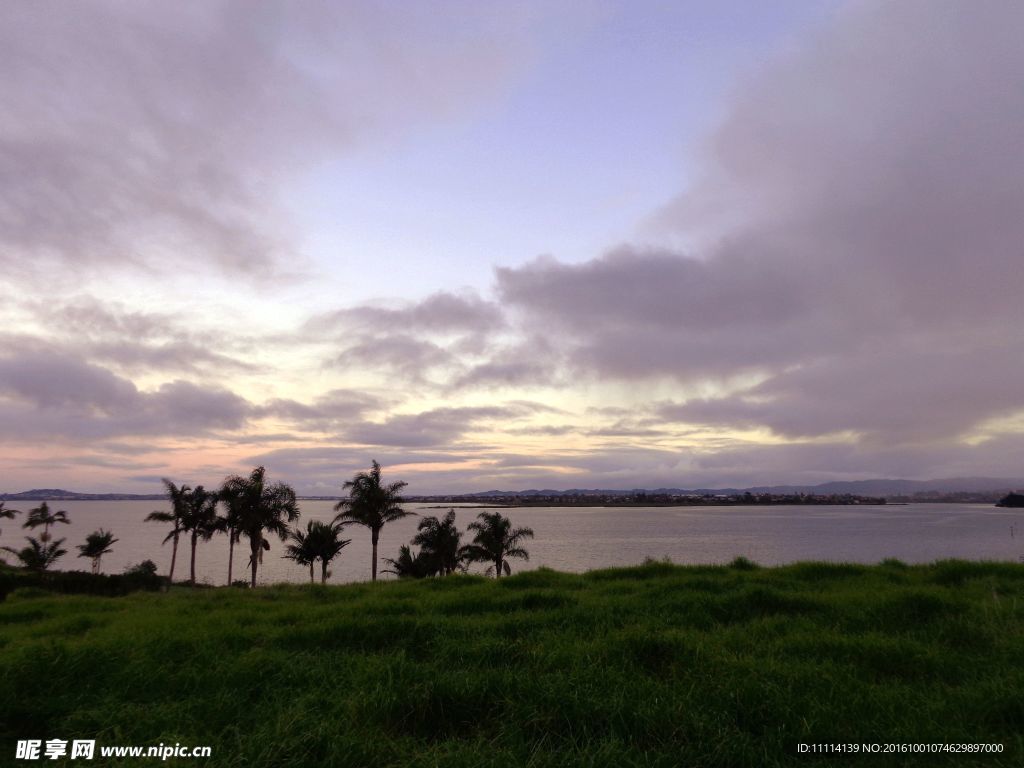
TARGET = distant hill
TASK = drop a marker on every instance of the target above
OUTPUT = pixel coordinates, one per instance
(875, 487)
(59, 494)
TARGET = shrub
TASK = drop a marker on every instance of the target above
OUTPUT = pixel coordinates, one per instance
(79, 582)
(743, 564)
(143, 569)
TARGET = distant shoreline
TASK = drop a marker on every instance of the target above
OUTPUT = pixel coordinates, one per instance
(647, 504)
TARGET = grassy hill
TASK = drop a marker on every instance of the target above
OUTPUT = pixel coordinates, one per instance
(657, 665)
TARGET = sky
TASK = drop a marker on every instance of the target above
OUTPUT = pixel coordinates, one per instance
(510, 245)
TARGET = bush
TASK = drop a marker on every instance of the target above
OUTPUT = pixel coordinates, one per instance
(743, 564)
(80, 582)
(144, 569)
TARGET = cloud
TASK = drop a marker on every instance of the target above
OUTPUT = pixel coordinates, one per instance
(47, 381)
(49, 395)
(854, 243)
(423, 342)
(444, 427)
(441, 312)
(453, 469)
(410, 357)
(132, 341)
(633, 314)
(180, 356)
(810, 462)
(845, 270)
(323, 469)
(877, 396)
(530, 361)
(435, 427)
(154, 135)
(330, 411)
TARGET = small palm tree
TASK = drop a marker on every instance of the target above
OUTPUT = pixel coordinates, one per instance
(372, 505)
(41, 515)
(300, 550)
(178, 496)
(496, 541)
(320, 541)
(408, 565)
(327, 544)
(261, 508)
(96, 546)
(7, 514)
(439, 543)
(38, 555)
(200, 521)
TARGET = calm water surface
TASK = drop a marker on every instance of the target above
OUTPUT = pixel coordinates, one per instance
(586, 538)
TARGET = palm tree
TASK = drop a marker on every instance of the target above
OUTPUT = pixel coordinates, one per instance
(200, 521)
(261, 508)
(327, 545)
(7, 514)
(301, 548)
(41, 515)
(96, 546)
(230, 495)
(408, 565)
(496, 541)
(178, 496)
(372, 505)
(320, 541)
(439, 543)
(38, 555)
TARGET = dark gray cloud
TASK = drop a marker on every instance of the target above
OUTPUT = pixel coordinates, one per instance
(503, 373)
(436, 427)
(410, 357)
(531, 361)
(153, 134)
(180, 356)
(633, 314)
(748, 464)
(893, 394)
(132, 341)
(46, 395)
(424, 343)
(49, 381)
(333, 410)
(454, 469)
(190, 408)
(854, 242)
(91, 318)
(323, 469)
(441, 312)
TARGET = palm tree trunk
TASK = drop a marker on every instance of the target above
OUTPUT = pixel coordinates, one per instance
(323, 571)
(310, 573)
(231, 552)
(374, 536)
(174, 557)
(497, 568)
(193, 564)
(255, 544)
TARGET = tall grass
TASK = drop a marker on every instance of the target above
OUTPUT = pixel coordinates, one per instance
(658, 665)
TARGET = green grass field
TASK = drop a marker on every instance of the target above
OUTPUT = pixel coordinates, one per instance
(657, 665)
